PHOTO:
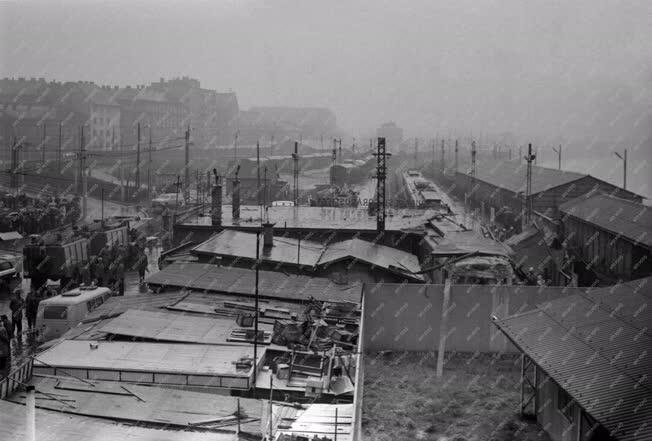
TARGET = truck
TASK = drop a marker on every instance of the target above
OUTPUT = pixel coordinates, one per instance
(60, 259)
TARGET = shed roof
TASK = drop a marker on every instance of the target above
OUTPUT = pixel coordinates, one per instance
(286, 250)
(392, 259)
(11, 235)
(626, 218)
(596, 347)
(510, 175)
(242, 244)
(272, 284)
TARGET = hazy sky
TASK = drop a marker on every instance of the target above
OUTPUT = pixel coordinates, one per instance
(528, 66)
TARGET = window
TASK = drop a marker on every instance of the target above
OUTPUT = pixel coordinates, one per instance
(55, 313)
(565, 404)
(93, 304)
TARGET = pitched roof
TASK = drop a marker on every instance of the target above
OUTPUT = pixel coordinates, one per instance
(241, 281)
(392, 259)
(510, 175)
(595, 346)
(241, 244)
(626, 218)
(234, 243)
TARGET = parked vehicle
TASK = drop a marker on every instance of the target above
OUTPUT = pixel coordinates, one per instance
(60, 313)
(11, 266)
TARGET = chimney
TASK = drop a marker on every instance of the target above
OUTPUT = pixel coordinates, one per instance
(216, 202)
(235, 198)
(268, 235)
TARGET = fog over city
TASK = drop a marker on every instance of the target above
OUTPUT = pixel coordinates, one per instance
(333, 220)
(538, 68)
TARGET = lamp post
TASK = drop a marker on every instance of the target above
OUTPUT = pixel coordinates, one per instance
(624, 158)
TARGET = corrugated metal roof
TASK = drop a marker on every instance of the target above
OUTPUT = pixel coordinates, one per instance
(510, 175)
(596, 346)
(620, 216)
(392, 259)
(465, 242)
(241, 281)
(234, 243)
(241, 244)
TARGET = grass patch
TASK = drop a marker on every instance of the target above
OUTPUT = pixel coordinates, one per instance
(476, 399)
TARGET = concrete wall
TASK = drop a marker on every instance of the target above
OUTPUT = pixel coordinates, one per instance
(407, 317)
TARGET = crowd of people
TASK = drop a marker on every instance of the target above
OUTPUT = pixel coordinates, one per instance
(33, 216)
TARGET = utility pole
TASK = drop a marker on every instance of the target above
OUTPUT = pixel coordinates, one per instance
(82, 174)
(257, 180)
(433, 156)
(149, 166)
(256, 305)
(122, 169)
(381, 175)
(473, 154)
(456, 151)
(443, 157)
(558, 151)
(624, 158)
(138, 160)
(416, 152)
(43, 145)
(295, 158)
(14, 163)
(186, 184)
(59, 149)
(235, 147)
(530, 158)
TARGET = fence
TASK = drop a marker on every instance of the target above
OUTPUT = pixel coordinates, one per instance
(16, 378)
(407, 317)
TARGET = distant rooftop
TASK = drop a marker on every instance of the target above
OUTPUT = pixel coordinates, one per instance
(510, 175)
(628, 219)
(320, 218)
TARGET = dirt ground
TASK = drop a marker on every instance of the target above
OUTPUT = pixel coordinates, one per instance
(477, 399)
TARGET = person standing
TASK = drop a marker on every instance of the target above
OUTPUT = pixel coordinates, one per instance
(17, 305)
(31, 307)
(142, 267)
(7, 325)
(5, 348)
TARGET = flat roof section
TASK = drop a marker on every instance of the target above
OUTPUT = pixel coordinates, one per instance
(154, 363)
(175, 327)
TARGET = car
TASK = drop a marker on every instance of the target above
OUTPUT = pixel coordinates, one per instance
(58, 314)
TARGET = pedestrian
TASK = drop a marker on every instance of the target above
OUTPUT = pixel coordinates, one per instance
(7, 326)
(31, 307)
(17, 305)
(142, 267)
(5, 348)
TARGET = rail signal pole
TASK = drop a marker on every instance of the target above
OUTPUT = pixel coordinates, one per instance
(473, 154)
(624, 159)
(530, 158)
(558, 151)
(186, 184)
(295, 173)
(138, 159)
(149, 166)
(381, 176)
(443, 157)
